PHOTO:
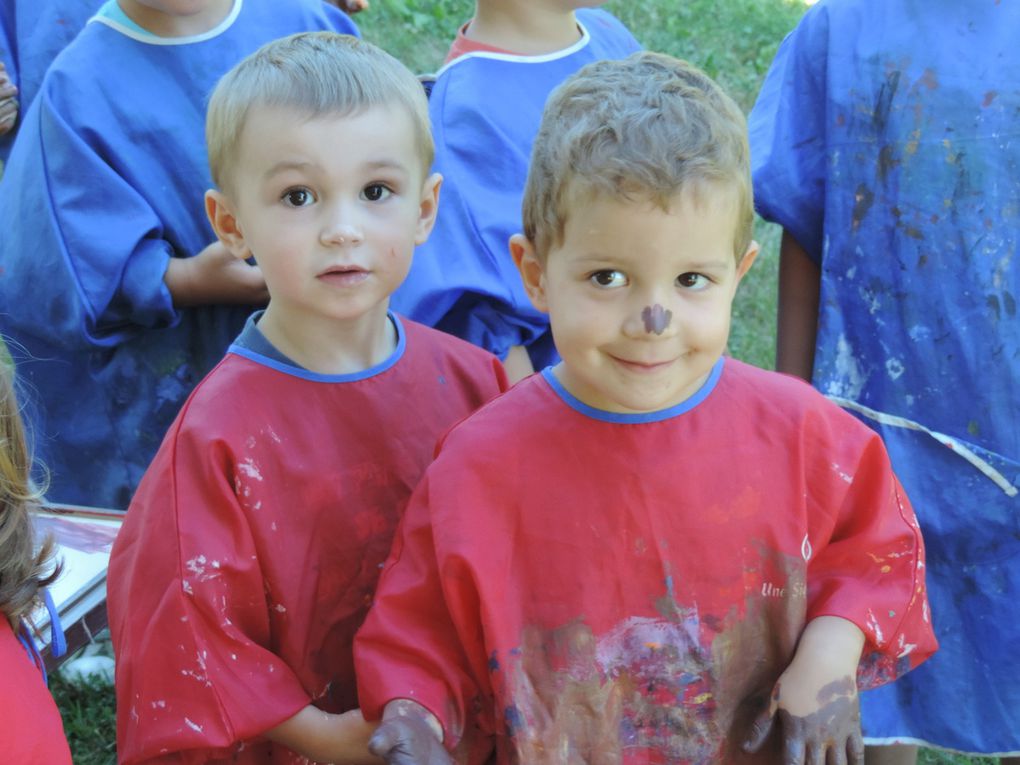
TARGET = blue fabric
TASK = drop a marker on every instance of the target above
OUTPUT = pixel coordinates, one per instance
(103, 187)
(32, 33)
(886, 140)
(485, 111)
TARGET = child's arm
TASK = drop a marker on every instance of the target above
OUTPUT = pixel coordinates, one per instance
(324, 737)
(409, 735)
(799, 283)
(214, 276)
(8, 101)
(815, 699)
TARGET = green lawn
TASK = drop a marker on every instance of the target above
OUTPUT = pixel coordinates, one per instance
(733, 40)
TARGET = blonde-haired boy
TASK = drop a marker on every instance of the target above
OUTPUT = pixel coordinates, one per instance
(648, 553)
(252, 547)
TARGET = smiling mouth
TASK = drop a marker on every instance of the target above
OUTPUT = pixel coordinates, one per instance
(642, 367)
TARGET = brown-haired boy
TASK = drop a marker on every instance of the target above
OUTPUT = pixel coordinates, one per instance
(648, 553)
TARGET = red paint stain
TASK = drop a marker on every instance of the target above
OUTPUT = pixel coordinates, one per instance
(989, 97)
(929, 80)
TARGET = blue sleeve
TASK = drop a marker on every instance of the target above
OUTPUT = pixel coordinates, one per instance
(78, 237)
(787, 129)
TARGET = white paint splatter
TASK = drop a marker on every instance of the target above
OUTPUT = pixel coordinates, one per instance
(161, 704)
(805, 548)
(250, 469)
(848, 369)
(872, 624)
(895, 368)
(194, 726)
(846, 477)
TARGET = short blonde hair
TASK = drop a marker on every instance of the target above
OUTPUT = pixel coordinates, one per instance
(314, 73)
(643, 128)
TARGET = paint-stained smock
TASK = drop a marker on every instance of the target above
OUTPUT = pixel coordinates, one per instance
(485, 109)
(602, 588)
(104, 186)
(886, 140)
(32, 33)
(250, 552)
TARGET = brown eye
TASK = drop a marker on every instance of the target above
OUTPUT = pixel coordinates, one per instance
(608, 278)
(376, 192)
(298, 197)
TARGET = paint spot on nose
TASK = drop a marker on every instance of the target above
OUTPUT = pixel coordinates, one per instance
(656, 318)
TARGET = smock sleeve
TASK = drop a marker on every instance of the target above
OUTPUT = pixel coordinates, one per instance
(190, 613)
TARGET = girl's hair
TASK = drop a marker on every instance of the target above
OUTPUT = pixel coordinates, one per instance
(24, 569)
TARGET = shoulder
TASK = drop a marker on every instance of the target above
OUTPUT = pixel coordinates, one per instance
(605, 27)
(776, 400)
(428, 345)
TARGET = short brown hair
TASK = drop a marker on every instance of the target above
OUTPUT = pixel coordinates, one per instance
(314, 73)
(645, 128)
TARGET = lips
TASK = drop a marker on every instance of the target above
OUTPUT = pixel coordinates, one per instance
(642, 367)
(344, 276)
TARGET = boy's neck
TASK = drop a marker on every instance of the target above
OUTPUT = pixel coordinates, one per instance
(525, 29)
(328, 347)
(170, 25)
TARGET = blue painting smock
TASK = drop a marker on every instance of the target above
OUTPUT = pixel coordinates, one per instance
(103, 187)
(886, 141)
(32, 33)
(485, 110)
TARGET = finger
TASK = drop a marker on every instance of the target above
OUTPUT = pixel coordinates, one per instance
(760, 730)
(385, 738)
(793, 750)
(855, 748)
(814, 753)
(837, 754)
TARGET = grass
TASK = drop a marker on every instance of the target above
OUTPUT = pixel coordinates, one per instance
(733, 40)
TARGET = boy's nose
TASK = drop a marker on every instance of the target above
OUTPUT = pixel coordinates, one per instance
(341, 230)
(650, 320)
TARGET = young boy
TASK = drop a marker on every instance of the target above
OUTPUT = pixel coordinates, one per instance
(251, 550)
(649, 552)
(894, 178)
(114, 299)
(485, 108)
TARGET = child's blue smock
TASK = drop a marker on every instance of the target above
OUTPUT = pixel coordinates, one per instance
(32, 33)
(103, 187)
(886, 140)
(485, 110)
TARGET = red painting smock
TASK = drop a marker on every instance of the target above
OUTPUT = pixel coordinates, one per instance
(581, 586)
(251, 550)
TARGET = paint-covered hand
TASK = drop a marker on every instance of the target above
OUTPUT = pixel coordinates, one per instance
(409, 735)
(8, 102)
(814, 703)
(828, 731)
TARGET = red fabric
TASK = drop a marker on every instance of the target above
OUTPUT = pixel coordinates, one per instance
(32, 731)
(463, 44)
(250, 553)
(629, 586)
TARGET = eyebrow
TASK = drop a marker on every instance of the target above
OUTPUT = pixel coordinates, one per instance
(378, 164)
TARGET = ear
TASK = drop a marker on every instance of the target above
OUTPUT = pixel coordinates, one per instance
(224, 222)
(428, 207)
(522, 250)
(748, 260)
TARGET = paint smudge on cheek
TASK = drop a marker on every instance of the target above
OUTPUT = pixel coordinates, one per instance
(656, 318)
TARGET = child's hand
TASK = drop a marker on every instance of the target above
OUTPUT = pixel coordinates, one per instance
(349, 6)
(815, 699)
(8, 102)
(215, 276)
(409, 735)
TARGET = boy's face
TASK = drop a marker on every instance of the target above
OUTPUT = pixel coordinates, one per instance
(331, 207)
(638, 298)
